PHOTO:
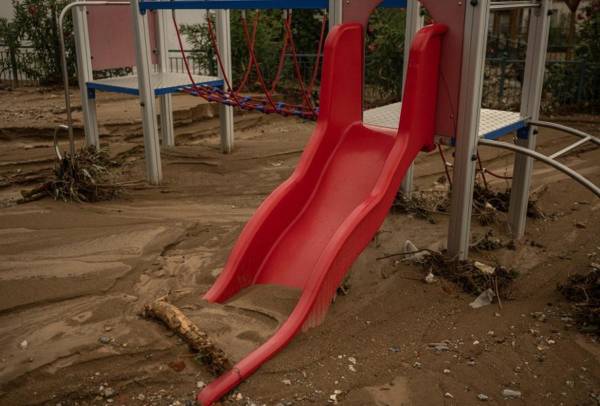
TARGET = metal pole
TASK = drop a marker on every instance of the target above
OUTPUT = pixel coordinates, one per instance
(414, 21)
(225, 112)
(467, 134)
(335, 13)
(535, 64)
(166, 100)
(540, 157)
(147, 97)
(566, 129)
(63, 59)
(85, 74)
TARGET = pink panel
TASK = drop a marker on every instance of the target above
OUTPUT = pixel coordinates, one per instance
(452, 14)
(112, 38)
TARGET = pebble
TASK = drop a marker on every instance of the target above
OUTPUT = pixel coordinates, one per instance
(108, 393)
(24, 344)
(286, 382)
(141, 397)
(446, 371)
(448, 395)
(394, 349)
(511, 394)
(482, 397)
(352, 360)
(239, 396)
(417, 364)
(200, 384)
(440, 346)
(104, 339)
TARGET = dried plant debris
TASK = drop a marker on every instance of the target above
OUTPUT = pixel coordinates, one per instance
(86, 176)
(488, 242)
(473, 277)
(422, 204)
(583, 291)
(212, 356)
(487, 204)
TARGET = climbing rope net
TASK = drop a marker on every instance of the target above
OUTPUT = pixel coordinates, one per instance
(266, 103)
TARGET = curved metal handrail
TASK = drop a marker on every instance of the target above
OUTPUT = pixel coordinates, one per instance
(566, 129)
(540, 157)
(63, 59)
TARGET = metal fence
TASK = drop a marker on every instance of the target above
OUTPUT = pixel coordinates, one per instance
(567, 84)
(12, 66)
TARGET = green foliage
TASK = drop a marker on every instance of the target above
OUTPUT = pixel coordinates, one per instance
(306, 27)
(37, 26)
(385, 55)
(9, 37)
(589, 33)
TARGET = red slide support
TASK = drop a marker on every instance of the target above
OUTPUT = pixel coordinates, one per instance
(309, 231)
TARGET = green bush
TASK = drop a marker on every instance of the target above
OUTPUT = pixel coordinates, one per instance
(36, 22)
(306, 27)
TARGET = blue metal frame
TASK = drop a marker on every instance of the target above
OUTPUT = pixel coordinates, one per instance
(134, 91)
(246, 4)
(518, 126)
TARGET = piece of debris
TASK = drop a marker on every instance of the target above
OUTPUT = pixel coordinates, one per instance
(23, 344)
(484, 299)
(446, 371)
(448, 395)
(583, 291)
(87, 176)
(482, 397)
(430, 278)
(441, 347)
(486, 269)
(200, 384)
(104, 339)
(212, 356)
(511, 394)
(333, 398)
(286, 382)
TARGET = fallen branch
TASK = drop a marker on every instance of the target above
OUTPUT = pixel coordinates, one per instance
(214, 357)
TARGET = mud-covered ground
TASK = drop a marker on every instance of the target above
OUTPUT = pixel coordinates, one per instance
(74, 277)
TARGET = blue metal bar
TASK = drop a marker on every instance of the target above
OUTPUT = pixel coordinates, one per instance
(246, 4)
(135, 92)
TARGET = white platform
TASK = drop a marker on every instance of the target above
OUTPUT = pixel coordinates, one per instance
(162, 83)
(493, 123)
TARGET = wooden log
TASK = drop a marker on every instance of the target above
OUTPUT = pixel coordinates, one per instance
(215, 358)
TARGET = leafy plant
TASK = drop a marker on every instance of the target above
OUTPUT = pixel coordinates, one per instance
(37, 25)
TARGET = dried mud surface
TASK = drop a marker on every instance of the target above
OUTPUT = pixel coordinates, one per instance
(74, 277)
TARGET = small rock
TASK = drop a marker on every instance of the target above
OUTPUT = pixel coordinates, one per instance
(440, 346)
(286, 382)
(104, 339)
(511, 394)
(351, 368)
(108, 392)
(352, 360)
(394, 349)
(482, 397)
(24, 344)
(141, 397)
(448, 395)
(200, 384)
(239, 396)
(417, 364)
(580, 225)
(108, 329)
(430, 278)
(446, 371)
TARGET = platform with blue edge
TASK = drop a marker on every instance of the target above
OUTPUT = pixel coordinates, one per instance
(162, 83)
(246, 4)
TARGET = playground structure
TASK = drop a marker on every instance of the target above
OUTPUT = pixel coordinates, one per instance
(310, 230)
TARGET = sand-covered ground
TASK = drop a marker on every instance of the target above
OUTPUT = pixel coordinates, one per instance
(74, 277)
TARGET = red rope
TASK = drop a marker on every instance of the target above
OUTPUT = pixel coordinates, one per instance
(445, 165)
(261, 78)
(213, 40)
(318, 60)
(249, 67)
(305, 95)
(282, 58)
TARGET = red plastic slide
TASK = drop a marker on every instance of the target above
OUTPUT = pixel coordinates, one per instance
(309, 231)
